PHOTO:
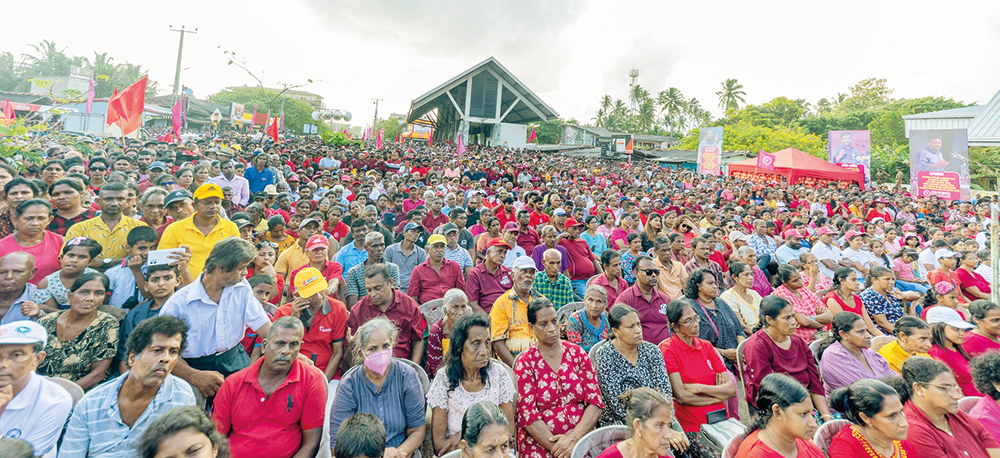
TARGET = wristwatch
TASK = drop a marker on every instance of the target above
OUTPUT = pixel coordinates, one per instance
(107, 262)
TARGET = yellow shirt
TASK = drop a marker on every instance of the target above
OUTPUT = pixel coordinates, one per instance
(671, 281)
(895, 355)
(283, 245)
(509, 322)
(291, 259)
(114, 241)
(184, 232)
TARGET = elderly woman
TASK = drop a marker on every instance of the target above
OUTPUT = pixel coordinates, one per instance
(760, 282)
(742, 298)
(877, 422)
(776, 348)
(468, 376)
(485, 432)
(589, 325)
(82, 339)
(936, 426)
(455, 305)
(31, 217)
(379, 385)
(785, 426)
(985, 337)
(719, 324)
(559, 397)
(810, 313)
(986, 375)
(700, 380)
(648, 416)
(814, 280)
(844, 356)
(913, 338)
(627, 362)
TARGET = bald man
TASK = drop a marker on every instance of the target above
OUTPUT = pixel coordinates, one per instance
(15, 292)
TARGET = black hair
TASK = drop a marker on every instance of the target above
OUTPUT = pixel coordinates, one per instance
(477, 418)
(694, 281)
(785, 272)
(162, 267)
(979, 308)
(864, 396)
(609, 255)
(916, 369)
(842, 322)
(839, 276)
(737, 268)
(776, 389)
(615, 316)
(34, 202)
(362, 434)
(536, 305)
(141, 234)
(632, 237)
(93, 247)
(58, 162)
(939, 340)
(71, 182)
(114, 186)
(229, 254)
(275, 221)
(641, 404)
(638, 259)
(176, 420)
(88, 276)
(164, 325)
(986, 373)
(454, 369)
(358, 223)
(675, 309)
(770, 307)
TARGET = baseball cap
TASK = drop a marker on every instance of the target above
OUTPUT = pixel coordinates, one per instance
(176, 196)
(208, 190)
(571, 223)
(271, 190)
(559, 212)
(157, 165)
(23, 332)
(947, 315)
(306, 221)
(738, 235)
(309, 281)
(317, 241)
(511, 227)
(851, 234)
(945, 253)
(241, 223)
(260, 195)
(410, 226)
(523, 263)
(825, 230)
(449, 228)
(793, 233)
(436, 238)
(498, 242)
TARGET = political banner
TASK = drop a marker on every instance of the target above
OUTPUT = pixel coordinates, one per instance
(849, 148)
(939, 164)
(710, 151)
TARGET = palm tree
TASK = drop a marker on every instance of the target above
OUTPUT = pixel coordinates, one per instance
(823, 106)
(636, 96)
(104, 71)
(47, 60)
(11, 77)
(646, 118)
(600, 118)
(697, 115)
(671, 103)
(606, 103)
(731, 95)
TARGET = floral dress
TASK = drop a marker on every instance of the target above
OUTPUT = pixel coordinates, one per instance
(627, 273)
(71, 359)
(558, 398)
(877, 304)
(581, 332)
(805, 303)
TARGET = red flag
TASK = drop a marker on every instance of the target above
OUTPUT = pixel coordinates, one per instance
(765, 160)
(7, 115)
(166, 138)
(461, 145)
(175, 118)
(273, 130)
(430, 138)
(129, 105)
(532, 137)
(112, 116)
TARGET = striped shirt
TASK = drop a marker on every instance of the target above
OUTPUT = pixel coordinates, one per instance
(459, 255)
(356, 279)
(96, 429)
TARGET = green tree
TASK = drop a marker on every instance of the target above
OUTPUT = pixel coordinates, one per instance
(887, 124)
(671, 103)
(866, 94)
(12, 77)
(297, 112)
(731, 95)
(745, 136)
(549, 132)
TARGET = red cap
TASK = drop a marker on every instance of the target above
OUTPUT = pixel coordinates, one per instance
(511, 227)
(571, 223)
(498, 242)
(317, 241)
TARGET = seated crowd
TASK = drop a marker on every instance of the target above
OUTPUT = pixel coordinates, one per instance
(307, 301)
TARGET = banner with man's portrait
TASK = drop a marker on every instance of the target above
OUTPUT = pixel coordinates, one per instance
(851, 149)
(710, 151)
(939, 164)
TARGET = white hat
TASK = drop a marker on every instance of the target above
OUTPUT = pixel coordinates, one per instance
(944, 253)
(524, 262)
(23, 332)
(947, 315)
(737, 235)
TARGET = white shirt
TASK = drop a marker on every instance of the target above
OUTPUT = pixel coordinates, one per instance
(926, 257)
(865, 258)
(986, 271)
(37, 414)
(512, 255)
(828, 252)
(785, 254)
(215, 327)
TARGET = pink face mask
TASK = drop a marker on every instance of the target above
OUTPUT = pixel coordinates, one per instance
(379, 361)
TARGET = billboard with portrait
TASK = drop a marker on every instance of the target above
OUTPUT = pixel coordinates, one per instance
(710, 151)
(851, 149)
(939, 164)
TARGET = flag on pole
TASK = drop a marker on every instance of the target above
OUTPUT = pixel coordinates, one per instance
(765, 160)
(460, 145)
(430, 137)
(378, 139)
(129, 105)
(253, 118)
(91, 92)
(166, 138)
(175, 119)
(273, 130)
(533, 136)
(112, 117)
(7, 115)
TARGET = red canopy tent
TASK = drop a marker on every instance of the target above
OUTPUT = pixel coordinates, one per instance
(794, 165)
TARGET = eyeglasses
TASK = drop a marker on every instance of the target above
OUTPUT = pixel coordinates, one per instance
(650, 272)
(950, 389)
(689, 321)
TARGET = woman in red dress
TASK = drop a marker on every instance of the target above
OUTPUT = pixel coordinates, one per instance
(878, 426)
(648, 416)
(559, 396)
(785, 428)
(843, 297)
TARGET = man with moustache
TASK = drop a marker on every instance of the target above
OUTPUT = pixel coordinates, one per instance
(110, 228)
(202, 230)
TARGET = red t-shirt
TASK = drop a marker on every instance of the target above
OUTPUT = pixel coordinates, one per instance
(700, 364)
(581, 265)
(848, 443)
(537, 220)
(976, 344)
(752, 447)
(339, 231)
(328, 328)
(245, 414)
(968, 438)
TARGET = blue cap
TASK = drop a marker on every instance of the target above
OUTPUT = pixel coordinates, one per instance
(157, 165)
(410, 226)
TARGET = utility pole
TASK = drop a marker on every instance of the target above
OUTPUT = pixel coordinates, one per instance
(375, 118)
(284, 87)
(180, 51)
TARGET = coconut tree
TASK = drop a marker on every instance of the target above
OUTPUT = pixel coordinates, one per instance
(671, 103)
(731, 95)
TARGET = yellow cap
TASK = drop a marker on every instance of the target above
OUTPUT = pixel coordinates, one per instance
(436, 238)
(208, 190)
(309, 281)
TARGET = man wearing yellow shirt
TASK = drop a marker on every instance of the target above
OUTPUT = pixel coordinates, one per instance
(295, 256)
(202, 230)
(510, 332)
(110, 228)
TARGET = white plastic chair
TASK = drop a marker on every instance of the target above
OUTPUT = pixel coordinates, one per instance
(562, 315)
(425, 382)
(593, 350)
(594, 442)
(733, 446)
(824, 435)
(967, 403)
(74, 390)
(432, 311)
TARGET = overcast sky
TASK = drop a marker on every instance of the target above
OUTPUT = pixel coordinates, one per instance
(569, 52)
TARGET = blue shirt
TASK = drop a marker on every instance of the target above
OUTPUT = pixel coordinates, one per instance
(258, 179)
(96, 429)
(398, 404)
(123, 288)
(350, 256)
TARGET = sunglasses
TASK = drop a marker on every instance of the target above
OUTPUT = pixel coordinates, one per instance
(650, 272)
(98, 169)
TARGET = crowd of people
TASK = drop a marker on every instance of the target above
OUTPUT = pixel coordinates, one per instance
(223, 297)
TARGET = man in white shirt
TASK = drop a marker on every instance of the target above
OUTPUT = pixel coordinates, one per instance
(829, 255)
(788, 252)
(32, 407)
(857, 253)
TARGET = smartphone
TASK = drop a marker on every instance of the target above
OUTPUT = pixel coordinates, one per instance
(161, 257)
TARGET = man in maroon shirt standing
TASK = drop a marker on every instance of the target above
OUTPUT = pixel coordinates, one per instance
(582, 263)
(434, 216)
(490, 279)
(527, 238)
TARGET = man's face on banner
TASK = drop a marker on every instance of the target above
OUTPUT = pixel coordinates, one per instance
(934, 144)
(845, 140)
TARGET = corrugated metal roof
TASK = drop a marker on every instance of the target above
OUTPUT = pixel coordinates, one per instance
(962, 112)
(984, 130)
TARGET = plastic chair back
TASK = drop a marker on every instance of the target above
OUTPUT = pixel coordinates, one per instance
(425, 382)
(824, 435)
(74, 390)
(562, 315)
(594, 442)
(965, 404)
(432, 311)
(733, 446)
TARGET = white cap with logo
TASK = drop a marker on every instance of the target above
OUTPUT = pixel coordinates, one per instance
(22, 333)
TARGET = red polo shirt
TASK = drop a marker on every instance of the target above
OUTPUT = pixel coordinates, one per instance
(968, 438)
(331, 270)
(613, 291)
(652, 314)
(431, 222)
(700, 365)
(528, 239)
(328, 328)
(427, 284)
(245, 414)
(537, 220)
(403, 311)
(483, 287)
(581, 260)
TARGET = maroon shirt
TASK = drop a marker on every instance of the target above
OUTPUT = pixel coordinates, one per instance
(652, 314)
(968, 438)
(403, 311)
(426, 284)
(483, 287)
(581, 260)
(528, 239)
(431, 222)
